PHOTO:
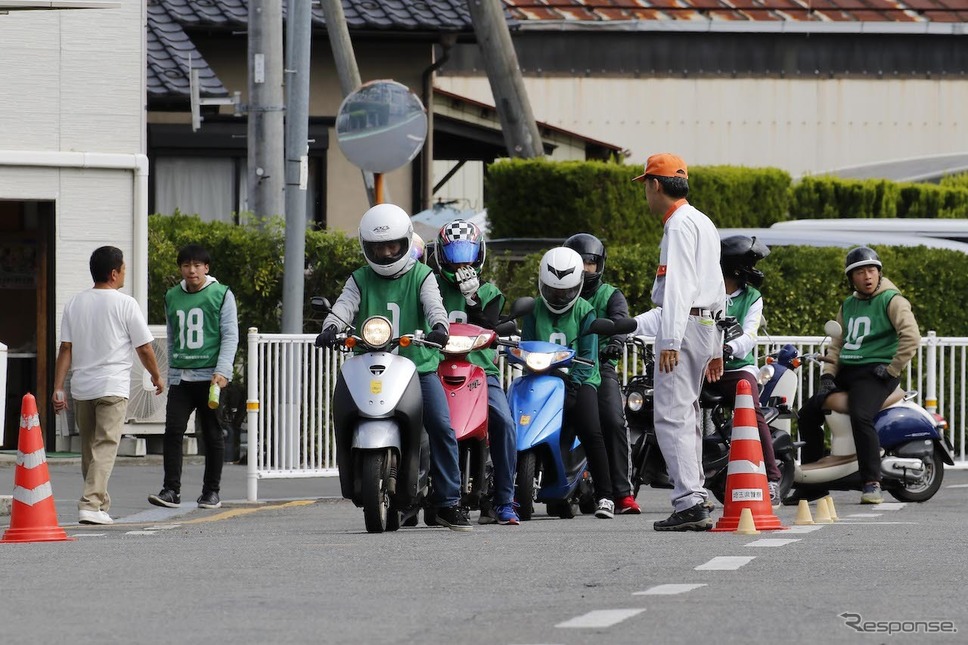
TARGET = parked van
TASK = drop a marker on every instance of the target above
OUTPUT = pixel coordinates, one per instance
(819, 236)
(949, 229)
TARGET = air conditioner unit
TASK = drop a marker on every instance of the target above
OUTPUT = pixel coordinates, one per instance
(146, 410)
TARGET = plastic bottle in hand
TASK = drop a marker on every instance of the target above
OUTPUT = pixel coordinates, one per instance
(214, 393)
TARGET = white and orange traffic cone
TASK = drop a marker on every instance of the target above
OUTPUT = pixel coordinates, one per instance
(746, 484)
(33, 516)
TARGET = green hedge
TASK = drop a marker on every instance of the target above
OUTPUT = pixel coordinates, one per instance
(804, 286)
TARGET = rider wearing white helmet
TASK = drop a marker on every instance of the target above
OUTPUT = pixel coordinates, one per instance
(561, 316)
(880, 336)
(395, 285)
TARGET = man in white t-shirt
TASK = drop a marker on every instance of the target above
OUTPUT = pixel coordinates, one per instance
(99, 330)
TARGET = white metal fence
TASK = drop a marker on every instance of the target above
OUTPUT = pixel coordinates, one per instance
(290, 384)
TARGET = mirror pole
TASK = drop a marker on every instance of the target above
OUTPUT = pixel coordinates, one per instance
(378, 187)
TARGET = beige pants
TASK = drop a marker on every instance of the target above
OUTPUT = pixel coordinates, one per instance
(99, 423)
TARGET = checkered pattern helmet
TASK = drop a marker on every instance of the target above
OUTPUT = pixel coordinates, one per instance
(459, 242)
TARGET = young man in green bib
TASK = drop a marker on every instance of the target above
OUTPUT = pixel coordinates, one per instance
(562, 316)
(880, 336)
(394, 284)
(203, 336)
(459, 256)
(608, 302)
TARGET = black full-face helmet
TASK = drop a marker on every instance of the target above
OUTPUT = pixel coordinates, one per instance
(738, 257)
(591, 250)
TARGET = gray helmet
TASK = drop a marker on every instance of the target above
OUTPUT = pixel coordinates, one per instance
(862, 256)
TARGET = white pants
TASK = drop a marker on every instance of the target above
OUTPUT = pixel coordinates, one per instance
(677, 416)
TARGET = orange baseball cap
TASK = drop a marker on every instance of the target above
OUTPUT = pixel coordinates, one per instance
(664, 164)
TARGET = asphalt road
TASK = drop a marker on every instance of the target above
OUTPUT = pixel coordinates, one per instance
(305, 571)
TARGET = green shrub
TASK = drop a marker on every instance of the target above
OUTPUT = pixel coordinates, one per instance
(826, 197)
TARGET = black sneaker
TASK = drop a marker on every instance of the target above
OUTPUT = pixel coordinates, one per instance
(695, 518)
(454, 518)
(167, 497)
(811, 495)
(209, 500)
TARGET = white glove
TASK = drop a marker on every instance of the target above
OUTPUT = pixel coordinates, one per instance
(468, 283)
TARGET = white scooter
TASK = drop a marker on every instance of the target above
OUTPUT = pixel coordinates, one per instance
(914, 448)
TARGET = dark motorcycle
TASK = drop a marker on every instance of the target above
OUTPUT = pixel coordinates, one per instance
(648, 464)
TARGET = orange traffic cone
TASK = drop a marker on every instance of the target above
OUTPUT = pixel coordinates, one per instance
(33, 517)
(746, 485)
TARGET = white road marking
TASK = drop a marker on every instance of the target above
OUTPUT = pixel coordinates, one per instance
(864, 515)
(141, 533)
(163, 527)
(601, 618)
(891, 506)
(957, 486)
(78, 535)
(805, 528)
(853, 522)
(726, 563)
(668, 590)
(772, 542)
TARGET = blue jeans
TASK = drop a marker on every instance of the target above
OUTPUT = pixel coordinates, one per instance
(502, 437)
(444, 469)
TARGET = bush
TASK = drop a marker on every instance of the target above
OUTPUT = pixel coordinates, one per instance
(833, 198)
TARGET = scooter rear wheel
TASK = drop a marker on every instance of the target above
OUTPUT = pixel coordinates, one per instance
(926, 487)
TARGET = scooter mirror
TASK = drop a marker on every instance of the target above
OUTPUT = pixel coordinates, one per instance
(832, 328)
(506, 328)
(602, 327)
(624, 326)
(319, 303)
(519, 307)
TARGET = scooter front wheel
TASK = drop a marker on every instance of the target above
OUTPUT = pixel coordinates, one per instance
(525, 484)
(376, 498)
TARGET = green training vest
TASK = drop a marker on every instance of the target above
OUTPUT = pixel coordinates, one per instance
(870, 337)
(398, 300)
(565, 330)
(456, 308)
(196, 319)
(599, 302)
(738, 308)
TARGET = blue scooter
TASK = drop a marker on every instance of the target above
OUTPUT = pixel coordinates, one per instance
(551, 466)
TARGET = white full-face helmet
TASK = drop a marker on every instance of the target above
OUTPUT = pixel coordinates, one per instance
(381, 225)
(560, 279)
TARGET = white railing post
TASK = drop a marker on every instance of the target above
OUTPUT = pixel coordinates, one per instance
(3, 391)
(931, 374)
(252, 415)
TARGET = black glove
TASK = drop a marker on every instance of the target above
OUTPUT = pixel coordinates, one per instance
(880, 371)
(727, 352)
(827, 385)
(613, 350)
(438, 335)
(328, 337)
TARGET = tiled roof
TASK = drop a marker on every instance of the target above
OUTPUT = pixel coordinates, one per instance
(401, 15)
(169, 48)
(529, 11)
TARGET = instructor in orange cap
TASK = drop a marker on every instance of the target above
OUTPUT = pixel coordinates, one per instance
(689, 288)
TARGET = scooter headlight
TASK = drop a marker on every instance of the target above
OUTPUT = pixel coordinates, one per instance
(765, 374)
(635, 401)
(377, 331)
(465, 344)
(538, 361)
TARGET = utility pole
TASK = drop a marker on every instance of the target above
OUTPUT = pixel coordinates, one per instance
(346, 69)
(299, 32)
(520, 130)
(266, 175)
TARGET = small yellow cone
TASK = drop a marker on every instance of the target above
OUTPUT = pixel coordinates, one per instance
(823, 512)
(803, 513)
(746, 524)
(831, 508)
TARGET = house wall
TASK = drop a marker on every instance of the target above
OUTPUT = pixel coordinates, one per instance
(73, 81)
(805, 126)
(377, 60)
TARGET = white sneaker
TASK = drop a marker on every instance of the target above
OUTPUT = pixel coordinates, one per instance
(774, 494)
(93, 517)
(605, 509)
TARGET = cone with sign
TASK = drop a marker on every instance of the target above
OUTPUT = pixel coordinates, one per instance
(746, 485)
(33, 516)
